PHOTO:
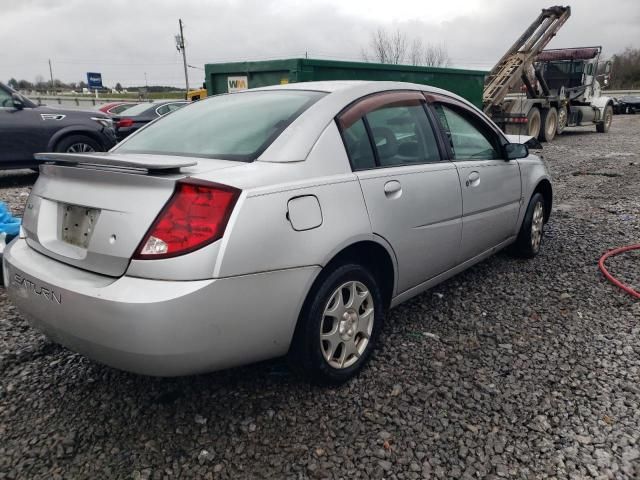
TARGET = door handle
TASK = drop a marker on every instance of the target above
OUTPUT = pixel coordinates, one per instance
(473, 180)
(392, 189)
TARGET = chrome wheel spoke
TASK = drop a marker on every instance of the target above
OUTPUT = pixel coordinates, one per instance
(356, 296)
(80, 148)
(330, 343)
(349, 350)
(365, 323)
(336, 307)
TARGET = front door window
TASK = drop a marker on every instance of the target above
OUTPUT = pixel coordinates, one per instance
(468, 142)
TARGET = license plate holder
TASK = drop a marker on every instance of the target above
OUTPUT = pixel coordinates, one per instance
(78, 224)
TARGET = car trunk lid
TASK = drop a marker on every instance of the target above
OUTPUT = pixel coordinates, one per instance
(92, 210)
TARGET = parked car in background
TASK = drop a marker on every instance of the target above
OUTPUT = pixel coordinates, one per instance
(114, 108)
(271, 221)
(139, 115)
(628, 104)
(27, 128)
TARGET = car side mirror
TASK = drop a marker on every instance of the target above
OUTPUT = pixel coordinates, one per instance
(17, 102)
(513, 151)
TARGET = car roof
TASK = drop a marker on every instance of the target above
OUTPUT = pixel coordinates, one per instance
(295, 143)
(321, 86)
(332, 86)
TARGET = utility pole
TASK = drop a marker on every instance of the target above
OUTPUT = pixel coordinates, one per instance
(51, 74)
(180, 47)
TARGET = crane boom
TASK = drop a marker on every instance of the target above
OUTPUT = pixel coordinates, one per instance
(512, 66)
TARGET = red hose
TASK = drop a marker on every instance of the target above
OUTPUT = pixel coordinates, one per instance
(610, 277)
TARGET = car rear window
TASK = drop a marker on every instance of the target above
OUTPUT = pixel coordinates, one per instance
(137, 109)
(121, 108)
(237, 126)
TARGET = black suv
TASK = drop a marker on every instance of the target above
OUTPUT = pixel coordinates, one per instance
(26, 128)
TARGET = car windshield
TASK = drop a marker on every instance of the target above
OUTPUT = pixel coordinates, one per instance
(236, 126)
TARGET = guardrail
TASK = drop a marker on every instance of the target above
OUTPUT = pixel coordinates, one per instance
(84, 101)
(90, 101)
(620, 93)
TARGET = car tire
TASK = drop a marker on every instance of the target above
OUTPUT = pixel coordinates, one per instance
(605, 124)
(534, 122)
(527, 245)
(78, 144)
(549, 125)
(334, 338)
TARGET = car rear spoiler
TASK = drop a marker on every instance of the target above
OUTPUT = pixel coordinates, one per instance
(151, 163)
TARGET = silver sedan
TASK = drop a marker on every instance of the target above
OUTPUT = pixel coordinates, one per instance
(283, 220)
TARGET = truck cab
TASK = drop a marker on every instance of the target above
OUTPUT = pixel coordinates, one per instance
(562, 89)
(575, 76)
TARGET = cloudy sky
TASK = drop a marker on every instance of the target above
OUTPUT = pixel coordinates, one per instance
(126, 39)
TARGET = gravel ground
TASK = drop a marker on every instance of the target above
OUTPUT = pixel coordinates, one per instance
(514, 369)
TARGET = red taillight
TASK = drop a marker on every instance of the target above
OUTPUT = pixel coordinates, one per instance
(196, 215)
(124, 122)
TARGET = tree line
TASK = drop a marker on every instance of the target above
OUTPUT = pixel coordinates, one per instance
(396, 47)
(625, 70)
(42, 86)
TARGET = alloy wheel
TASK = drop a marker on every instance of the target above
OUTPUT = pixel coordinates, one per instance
(537, 224)
(347, 324)
(80, 147)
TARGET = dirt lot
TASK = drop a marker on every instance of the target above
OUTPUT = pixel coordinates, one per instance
(514, 369)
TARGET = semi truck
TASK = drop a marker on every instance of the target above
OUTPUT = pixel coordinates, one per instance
(538, 92)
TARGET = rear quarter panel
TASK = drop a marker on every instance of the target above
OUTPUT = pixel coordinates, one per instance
(263, 239)
(260, 236)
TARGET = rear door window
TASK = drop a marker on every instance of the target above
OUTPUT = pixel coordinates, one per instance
(175, 106)
(162, 110)
(402, 135)
(387, 130)
(358, 146)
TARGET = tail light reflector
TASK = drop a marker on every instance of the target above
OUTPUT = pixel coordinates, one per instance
(196, 215)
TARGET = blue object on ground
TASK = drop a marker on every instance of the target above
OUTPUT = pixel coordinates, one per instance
(8, 223)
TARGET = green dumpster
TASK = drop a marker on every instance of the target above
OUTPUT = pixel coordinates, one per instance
(231, 77)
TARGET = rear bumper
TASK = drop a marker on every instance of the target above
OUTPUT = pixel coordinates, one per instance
(152, 327)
